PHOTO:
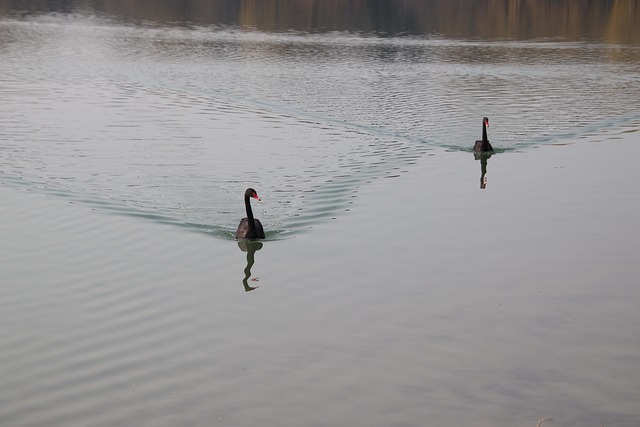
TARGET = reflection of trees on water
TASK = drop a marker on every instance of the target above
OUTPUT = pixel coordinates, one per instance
(250, 247)
(616, 21)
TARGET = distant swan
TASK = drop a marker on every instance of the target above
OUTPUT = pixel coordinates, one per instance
(250, 228)
(483, 144)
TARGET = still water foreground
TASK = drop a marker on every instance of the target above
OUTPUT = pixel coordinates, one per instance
(431, 303)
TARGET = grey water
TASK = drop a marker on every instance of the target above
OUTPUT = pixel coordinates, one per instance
(396, 285)
(176, 121)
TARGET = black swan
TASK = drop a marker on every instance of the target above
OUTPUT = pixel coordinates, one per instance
(483, 144)
(250, 228)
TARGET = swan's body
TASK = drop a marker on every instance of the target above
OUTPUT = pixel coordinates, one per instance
(250, 228)
(244, 230)
(483, 144)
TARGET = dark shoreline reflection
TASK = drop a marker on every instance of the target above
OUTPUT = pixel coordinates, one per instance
(615, 21)
(483, 157)
(250, 247)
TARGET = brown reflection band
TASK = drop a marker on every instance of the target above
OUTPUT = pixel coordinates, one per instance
(616, 21)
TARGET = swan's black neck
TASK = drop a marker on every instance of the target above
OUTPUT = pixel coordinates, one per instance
(247, 204)
(484, 132)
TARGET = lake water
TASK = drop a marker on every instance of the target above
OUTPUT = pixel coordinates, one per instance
(403, 281)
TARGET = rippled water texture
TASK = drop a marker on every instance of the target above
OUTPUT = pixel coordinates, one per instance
(403, 281)
(173, 123)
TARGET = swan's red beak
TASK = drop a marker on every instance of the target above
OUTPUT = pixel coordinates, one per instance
(255, 196)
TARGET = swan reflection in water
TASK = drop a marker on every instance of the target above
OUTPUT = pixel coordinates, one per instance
(483, 157)
(250, 247)
(482, 150)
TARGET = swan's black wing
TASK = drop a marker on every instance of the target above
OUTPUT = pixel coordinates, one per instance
(244, 231)
(482, 146)
(259, 230)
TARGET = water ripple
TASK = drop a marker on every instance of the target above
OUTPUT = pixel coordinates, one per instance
(171, 125)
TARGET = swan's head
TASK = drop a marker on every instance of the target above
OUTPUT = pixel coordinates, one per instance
(251, 193)
(485, 121)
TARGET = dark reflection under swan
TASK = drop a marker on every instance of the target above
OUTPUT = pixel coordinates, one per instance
(250, 247)
(483, 157)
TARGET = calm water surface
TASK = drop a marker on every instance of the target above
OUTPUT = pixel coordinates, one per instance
(391, 290)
